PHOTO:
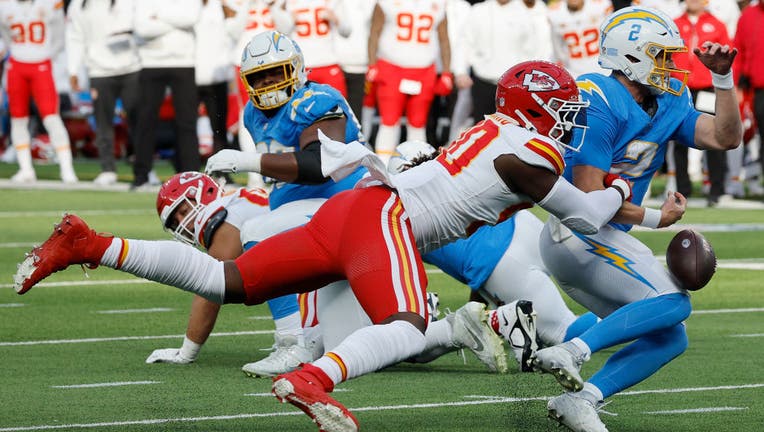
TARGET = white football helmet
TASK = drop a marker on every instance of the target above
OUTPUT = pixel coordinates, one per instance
(406, 152)
(639, 42)
(266, 51)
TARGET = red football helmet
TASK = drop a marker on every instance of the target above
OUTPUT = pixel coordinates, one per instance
(543, 98)
(191, 187)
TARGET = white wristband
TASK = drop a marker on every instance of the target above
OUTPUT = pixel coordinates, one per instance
(250, 162)
(723, 82)
(190, 349)
(652, 218)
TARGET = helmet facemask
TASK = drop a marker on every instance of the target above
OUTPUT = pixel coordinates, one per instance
(274, 95)
(567, 116)
(180, 230)
(659, 76)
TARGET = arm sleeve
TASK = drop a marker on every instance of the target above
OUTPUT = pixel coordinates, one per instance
(57, 33)
(585, 212)
(344, 26)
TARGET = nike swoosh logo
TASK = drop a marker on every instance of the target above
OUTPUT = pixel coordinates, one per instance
(504, 317)
(307, 108)
(478, 345)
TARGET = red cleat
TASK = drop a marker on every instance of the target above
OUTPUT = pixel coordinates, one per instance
(302, 390)
(72, 242)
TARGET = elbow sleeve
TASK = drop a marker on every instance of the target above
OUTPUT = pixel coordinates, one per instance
(584, 212)
(309, 164)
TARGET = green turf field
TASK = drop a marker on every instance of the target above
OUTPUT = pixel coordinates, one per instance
(69, 334)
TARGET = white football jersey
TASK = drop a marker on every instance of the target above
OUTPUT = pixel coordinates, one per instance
(257, 19)
(241, 205)
(576, 35)
(459, 191)
(409, 35)
(34, 30)
(312, 31)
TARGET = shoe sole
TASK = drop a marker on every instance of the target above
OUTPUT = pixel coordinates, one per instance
(328, 417)
(570, 381)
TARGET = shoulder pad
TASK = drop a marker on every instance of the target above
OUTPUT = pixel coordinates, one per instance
(541, 153)
(212, 225)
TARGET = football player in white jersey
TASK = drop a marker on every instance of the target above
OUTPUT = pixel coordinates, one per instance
(373, 235)
(576, 33)
(33, 31)
(405, 39)
(315, 25)
(195, 210)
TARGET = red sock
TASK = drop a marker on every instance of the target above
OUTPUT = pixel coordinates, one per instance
(319, 376)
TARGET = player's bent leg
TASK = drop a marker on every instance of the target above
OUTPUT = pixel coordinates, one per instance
(640, 360)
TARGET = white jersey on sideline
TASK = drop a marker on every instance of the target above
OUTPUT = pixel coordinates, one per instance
(313, 33)
(409, 35)
(576, 35)
(33, 30)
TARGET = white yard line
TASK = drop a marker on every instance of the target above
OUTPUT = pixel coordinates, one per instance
(698, 410)
(132, 311)
(108, 384)
(88, 283)
(480, 400)
(60, 213)
(127, 338)
(724, 311)
(11, 305)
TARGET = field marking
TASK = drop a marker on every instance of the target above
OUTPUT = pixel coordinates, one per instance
(88, 283)
(706, 227)
(722, 311)
(127, 338)
(697, 410)
(60, 213)
(11, 305)
(131, 311)
(109, 384)
(482, 400)
(749, 335)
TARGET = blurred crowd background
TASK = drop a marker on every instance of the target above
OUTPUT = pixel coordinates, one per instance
(137, 80)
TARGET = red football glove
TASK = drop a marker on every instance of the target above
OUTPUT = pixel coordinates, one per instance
(371, 73)
(445, 84)
(619, 183)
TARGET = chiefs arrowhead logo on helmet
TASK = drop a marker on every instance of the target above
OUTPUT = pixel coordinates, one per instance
(537, 81)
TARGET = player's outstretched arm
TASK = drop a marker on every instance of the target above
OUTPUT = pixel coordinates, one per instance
(578, 210)
(724, 130)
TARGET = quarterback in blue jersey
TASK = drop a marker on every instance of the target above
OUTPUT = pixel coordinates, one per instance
(632, 115)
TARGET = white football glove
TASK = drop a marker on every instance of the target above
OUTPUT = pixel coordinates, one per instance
(233, 161)
(168, 355)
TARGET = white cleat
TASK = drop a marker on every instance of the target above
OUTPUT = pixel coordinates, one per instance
(286, 357)
(575, 413)
(517, 324)
(24, 176)
(68, 176)
(564, 362)
(471, 330)
(106, 178)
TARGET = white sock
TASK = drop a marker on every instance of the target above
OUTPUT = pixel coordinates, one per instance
(415, 134)
(387, 140)
(580, 344)
(22, 142)
(367, 120)
(291, 325)
(171, 263)
(371, 348)
(438, 341)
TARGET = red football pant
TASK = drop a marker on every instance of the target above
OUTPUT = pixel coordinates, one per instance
(362, 235)
(331, 75)
(391, 103)
(34, 80)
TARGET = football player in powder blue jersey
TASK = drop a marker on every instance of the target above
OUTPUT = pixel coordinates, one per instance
(632, 115)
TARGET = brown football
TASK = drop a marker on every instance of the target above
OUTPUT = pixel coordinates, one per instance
(691, 259)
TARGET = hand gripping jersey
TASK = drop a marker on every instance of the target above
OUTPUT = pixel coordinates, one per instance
(450, 197)
(281, 133)
(34, 28)
(576, 35)
(409, 35)
(623, 139)
(235, 208)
